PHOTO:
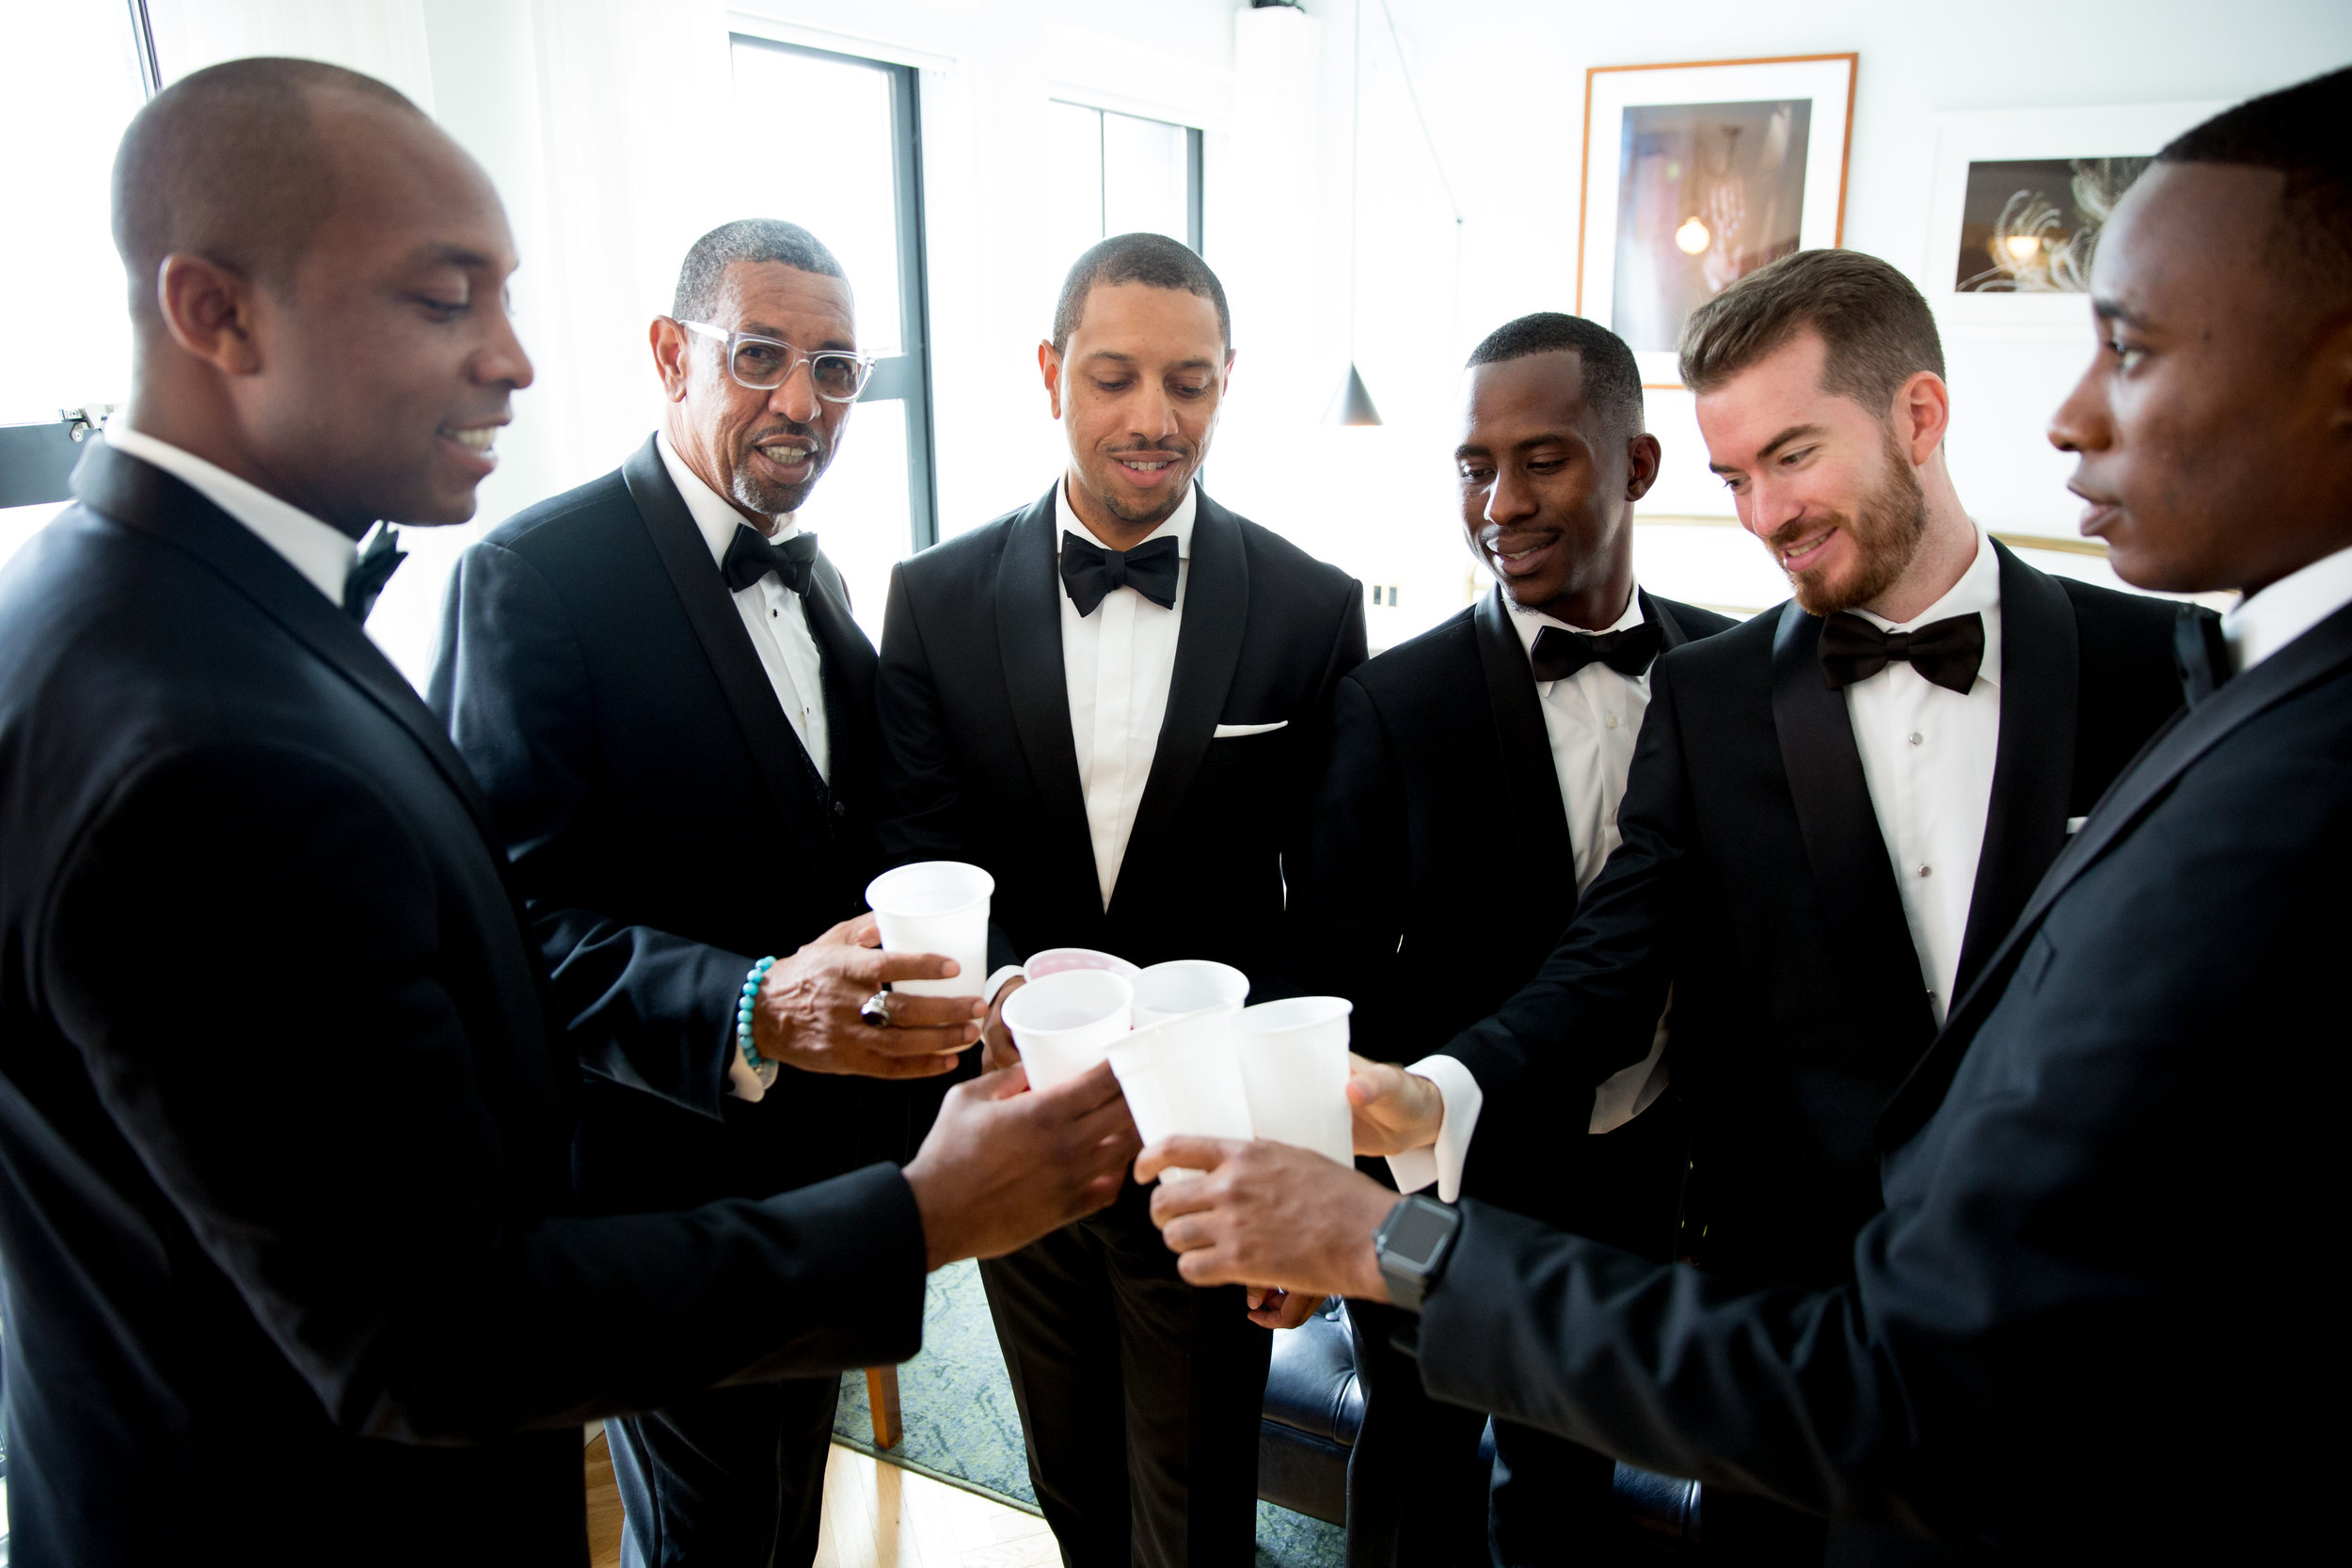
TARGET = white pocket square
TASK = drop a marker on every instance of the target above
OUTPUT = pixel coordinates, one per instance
(2074, 825)
(1227, 731)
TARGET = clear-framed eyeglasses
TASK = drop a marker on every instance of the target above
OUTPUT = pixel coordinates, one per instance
(764, 364)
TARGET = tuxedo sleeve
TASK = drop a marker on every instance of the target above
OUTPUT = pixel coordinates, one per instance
(642, 1007)
(1346, 910)
(331, 1074)
(1593, 1009)
(923, 799)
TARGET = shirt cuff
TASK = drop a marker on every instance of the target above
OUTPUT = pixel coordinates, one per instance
(1442, 1163)
(743, 1083)
(997, 980)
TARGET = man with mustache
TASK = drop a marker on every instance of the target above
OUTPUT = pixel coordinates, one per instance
(1835, 813)
(284, 1110)
(658, 681)
(1480, 765)
(2086, 1303)
(1113, 700)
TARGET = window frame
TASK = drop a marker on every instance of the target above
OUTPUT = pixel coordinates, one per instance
(1195, 207)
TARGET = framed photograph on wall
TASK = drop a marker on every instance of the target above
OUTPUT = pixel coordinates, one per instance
(1697, 174)
(2017, 199)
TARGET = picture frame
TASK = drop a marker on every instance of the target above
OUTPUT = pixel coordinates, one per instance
(1699, 172)
(2038, 179)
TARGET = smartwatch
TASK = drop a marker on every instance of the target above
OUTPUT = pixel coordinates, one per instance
(1412, 1245)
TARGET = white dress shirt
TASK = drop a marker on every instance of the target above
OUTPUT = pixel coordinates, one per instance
(1592, 720)
(772, 613)
(2267, 622)
(320, 551)
(1119, 662)
(1928, 756)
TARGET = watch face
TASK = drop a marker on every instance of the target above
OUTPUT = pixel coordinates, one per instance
(1418, 1231)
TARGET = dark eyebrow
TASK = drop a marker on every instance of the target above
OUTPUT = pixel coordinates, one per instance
(758, 329)
(2115, 311)
(1794, 431)
(445, 255)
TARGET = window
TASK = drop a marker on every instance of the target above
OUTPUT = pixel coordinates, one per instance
(1144, 176)
(877, 501)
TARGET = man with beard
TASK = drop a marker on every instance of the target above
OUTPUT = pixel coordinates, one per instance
(658, 682)
(1112, 698)
(2085, 1327)
(1835, 813)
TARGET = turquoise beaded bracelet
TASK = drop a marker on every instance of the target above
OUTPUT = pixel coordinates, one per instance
(751, 1058)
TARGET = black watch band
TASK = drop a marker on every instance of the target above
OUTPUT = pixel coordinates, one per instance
(1412, 1245)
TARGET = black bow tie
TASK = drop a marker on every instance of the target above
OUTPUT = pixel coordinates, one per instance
(1089, 572)
(369, 572)
(1946, 652)
(749, 558)
(1560, 653)
(2200, 652)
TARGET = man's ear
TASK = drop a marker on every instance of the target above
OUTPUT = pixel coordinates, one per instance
(1642, 458)
(668, 340)
(209, 309)
(1923, 411)
(1049, 366)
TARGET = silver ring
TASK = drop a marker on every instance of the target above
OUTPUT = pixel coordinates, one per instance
(875, 1010)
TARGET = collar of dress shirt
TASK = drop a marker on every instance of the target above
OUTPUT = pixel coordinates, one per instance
(320, 551)
(714, 514)
(1977, 592)
(1178, 525)
(2269, 620)
(1529, 624)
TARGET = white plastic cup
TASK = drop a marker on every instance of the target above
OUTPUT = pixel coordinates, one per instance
(1182, 986)
(1294, 1064)
(1183, 1076)
(936, 906)
(1053, 961)
(1066, 1023)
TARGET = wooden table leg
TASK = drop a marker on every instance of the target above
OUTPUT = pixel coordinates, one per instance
(881, 1397)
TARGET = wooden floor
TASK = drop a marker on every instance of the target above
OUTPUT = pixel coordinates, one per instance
(876, 1516)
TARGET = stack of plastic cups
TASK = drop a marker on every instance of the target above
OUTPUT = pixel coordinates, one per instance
(1068, 1020)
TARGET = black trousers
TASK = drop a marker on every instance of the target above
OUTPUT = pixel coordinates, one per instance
(732, 1478)
(1139, 1395)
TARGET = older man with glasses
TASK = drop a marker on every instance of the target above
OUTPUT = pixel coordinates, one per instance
(657, 680)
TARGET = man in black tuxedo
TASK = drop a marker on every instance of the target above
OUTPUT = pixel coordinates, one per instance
(288, 1214)
(1514, 722)
(657, 680)
(2078, 1331)
(1836, 810)
(1112, 698)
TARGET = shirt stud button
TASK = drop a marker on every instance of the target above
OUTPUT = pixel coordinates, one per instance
(1917, 737)
(1611, 720)
(1927, 871)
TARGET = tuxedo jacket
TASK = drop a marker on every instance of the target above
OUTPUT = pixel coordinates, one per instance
(979, 764)
(2094, 1285)
(1754, 879)
(287, 1217)
(666, 827)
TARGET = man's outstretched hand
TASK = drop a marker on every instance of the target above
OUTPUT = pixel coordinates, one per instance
(1268, 1211)
(1394, 1109)
(807, 1012)
(1005, 1164)
(1273, 1308)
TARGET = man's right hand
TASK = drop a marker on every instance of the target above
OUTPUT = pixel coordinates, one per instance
(1004, 1166)
(807, 1013)
(1395, 1110)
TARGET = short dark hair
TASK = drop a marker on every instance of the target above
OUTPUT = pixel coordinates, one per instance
(1613, 381)
(2301, 132)
(744, 240)
(1150, 258)
(227, 164)
(1878, 329)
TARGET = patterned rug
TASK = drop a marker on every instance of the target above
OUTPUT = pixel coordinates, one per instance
(961, 1427)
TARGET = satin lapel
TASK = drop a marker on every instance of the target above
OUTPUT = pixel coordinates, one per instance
(2314, 655)
(1670, 630)
(776, 751)
(1208, 650)
(140, 496)
(1028, 638)
(2033, 770)
(1841, 832)
(1530, 782)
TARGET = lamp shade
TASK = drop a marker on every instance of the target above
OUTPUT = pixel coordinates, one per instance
(1351, 404)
